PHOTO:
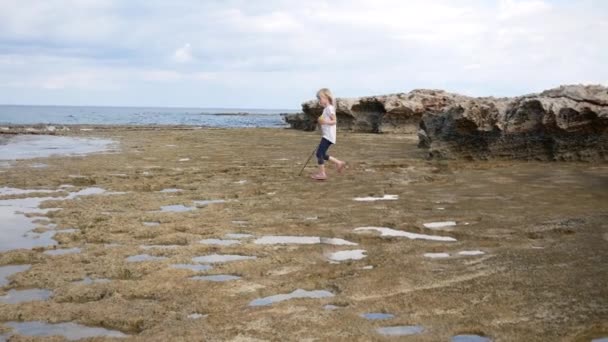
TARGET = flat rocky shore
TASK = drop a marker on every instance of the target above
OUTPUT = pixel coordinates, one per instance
(180, 233)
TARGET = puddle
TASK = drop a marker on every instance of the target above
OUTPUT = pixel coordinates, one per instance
(356, 254)
(38, 165)
(241, 182)
(331, 307)
(436, 255)
(171, 190)
(238, 236)
(468, 253)
(216, 277)
(400, 233)
(176, 208)
(401, 330)
(470, 338)
(374, 199)
(22, 296)
(377, 316)
(219, 258)
(5, 191)
(192, 267)
(299, 293)
(144, 257)
(602, 339)
(184, 159)
(66, 231)
(7, 271)
(89, 281)
(196, 316)
(37, 146)
(301, 240)
(203, 203)
(63, 251)
(439, 225)
(70, 331)
(219, 242)
(146, 247)
(151, 224)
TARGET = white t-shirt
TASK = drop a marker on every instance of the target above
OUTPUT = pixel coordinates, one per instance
(329, 131)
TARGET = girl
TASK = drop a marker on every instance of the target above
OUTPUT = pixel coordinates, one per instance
(328, 122)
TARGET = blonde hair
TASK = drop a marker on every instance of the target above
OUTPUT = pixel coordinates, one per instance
(327, 94)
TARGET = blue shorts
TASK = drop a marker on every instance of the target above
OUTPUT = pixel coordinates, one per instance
(322, 155)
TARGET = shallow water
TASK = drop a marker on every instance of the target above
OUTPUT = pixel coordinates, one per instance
(470, 338)
(192, 267)
(374, 199)
(63, 251)
(9, 270)
(22, 296)
(89, 281)
(146, 247)
(299, 293)
(219, 258)
(203, 203)
(216, 277)
(400, 233)
(377, 316)
(300, 240)
(38, 146)
(471, 253)
(436, 255)
(439, 225)
(238, 236)
(356, 254)
(144, 257)
(176, 208)
(219, 242)
(151, 224)
(15, 227)
(70, 331)
(402, 330)
(171, 190)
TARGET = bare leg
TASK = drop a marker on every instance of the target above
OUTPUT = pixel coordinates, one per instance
(322, 169)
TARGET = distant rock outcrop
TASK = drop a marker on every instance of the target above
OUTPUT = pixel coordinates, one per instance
(566, 123)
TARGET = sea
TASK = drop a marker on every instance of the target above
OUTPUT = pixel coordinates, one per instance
(98, 115)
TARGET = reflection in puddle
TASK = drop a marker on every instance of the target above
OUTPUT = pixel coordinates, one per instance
(89, 281)
(38, 146)
(301, 240)
(471, 253)
(176, 208)
(21, 296)
(192, 267)
(216, 277)
(219, 242)
(399, 233)
(470, 338)
(63, 251)
(151, 223)
(436, 255)
(356, 254)
(171, 190)
(203, 203)
(401, 330)
(238, 235)
(196, 316)
(439, 225)
(377, 316)
(219, 258)
(70, 331)
(7, 271)
(299, 293)
(16, 226)
(146, 247)
(373, 199)
(144, 257)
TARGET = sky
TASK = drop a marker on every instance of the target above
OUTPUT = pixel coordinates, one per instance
(277, 53)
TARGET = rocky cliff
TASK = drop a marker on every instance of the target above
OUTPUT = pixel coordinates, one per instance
(565, 123)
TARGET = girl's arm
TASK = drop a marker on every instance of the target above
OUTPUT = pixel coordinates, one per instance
(331, 121)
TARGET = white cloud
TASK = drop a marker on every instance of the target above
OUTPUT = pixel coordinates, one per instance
(288, 47)
(183, 54)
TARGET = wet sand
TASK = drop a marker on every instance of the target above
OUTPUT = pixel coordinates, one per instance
(525, 261)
